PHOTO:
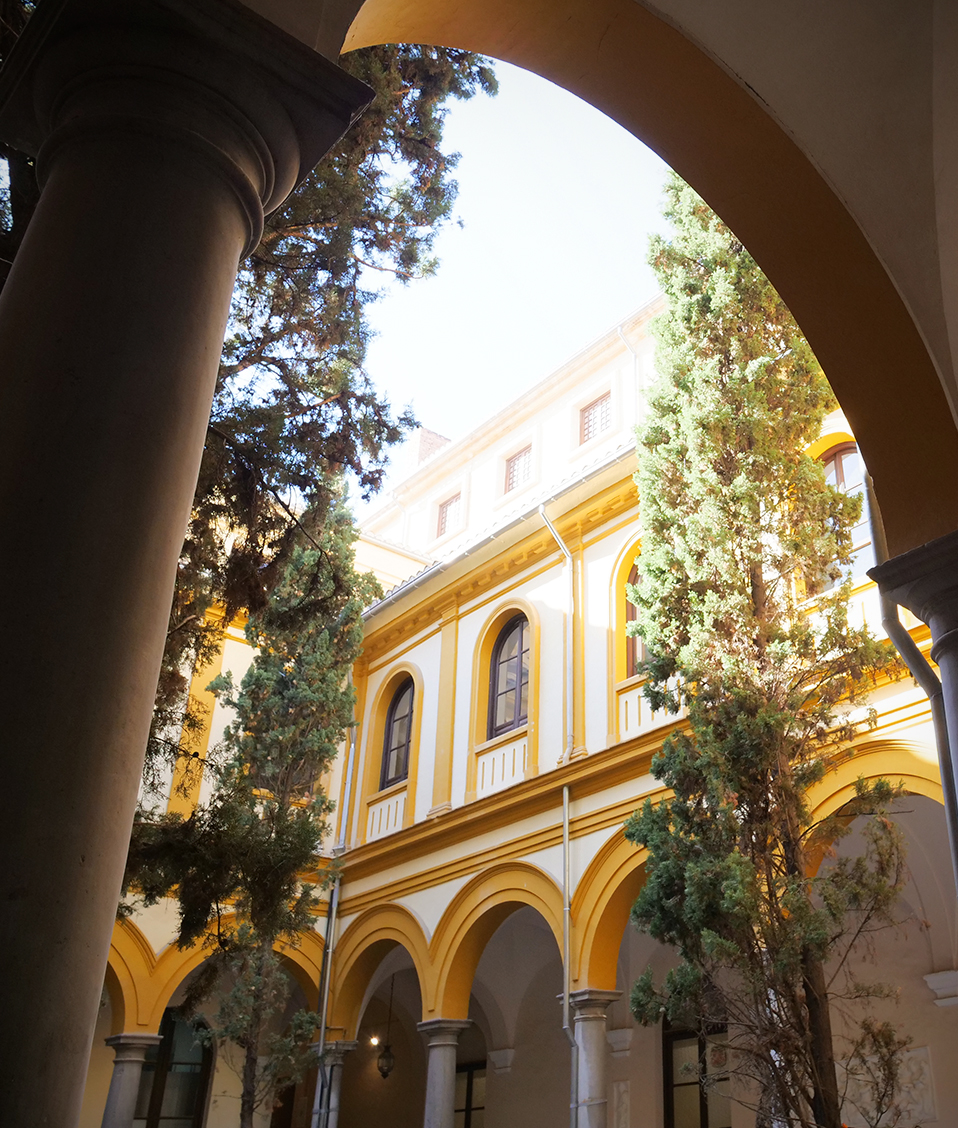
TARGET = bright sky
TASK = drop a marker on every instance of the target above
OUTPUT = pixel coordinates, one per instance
(557, 202)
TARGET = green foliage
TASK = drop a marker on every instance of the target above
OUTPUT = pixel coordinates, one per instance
(740, 531)
(243, 866)
(293, 407)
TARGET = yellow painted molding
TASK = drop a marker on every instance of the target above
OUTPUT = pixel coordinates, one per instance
(375, 736)
(359, 952)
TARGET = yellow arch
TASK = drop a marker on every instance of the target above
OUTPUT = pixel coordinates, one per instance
(600, 911)
(468, 923)
(647, 75)
(141, 984)
(360, 951)
(894, 760)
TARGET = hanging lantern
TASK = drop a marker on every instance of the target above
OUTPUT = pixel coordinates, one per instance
(386, 1060)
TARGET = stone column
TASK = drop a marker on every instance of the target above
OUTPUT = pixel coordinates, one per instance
(589, 1020)
(334, 1057)
(443, 1035)
(130, 1053)
(162, 130)
(925, 581)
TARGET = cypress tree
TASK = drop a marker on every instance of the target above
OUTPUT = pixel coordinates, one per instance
(742, 603)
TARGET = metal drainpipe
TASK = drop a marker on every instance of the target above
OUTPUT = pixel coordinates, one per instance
(922, 672)
(566, 855)
(570, 627)
(567, 961)
(323, 1092)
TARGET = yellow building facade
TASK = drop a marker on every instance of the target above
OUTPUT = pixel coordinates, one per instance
(501, 742)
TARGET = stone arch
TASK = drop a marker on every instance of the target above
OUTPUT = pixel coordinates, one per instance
(600, 911)
(468, 923)
(640, 69)
(360, 951)
(129, 971)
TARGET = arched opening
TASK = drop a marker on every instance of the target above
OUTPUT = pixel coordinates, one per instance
(641, 70)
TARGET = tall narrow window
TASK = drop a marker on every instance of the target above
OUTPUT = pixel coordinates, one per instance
(845, 469)
(509, 678)
(595, 418)
(398, 733)
(688, 1060)
(449, 515)
(175, 1078)
(470, 1099)
(634, 646)
(518, 468)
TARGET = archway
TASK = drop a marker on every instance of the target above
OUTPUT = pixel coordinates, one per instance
(642, 71)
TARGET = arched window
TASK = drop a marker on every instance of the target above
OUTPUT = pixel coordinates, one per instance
(845, 469)
(634, 646)
(509, 678)
(175, 1078)
(397, 736)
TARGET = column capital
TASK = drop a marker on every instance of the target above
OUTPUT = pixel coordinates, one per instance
(132, 1046)
(925, 580)
(590, 1002)
(259, 105)
(335, 1052)
(443, 1031)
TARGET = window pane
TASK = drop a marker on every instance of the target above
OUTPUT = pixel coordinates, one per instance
(478, 1118)
(685, 1059)
(180, 1093)
(478, 1090)
(505, 708)
(686, 1107)
(720, 1109)
(524, 701)
(460, 1120)
(462, 1080)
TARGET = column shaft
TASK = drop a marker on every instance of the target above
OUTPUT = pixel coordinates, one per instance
(111, 325)
(590, 1008)
(443, 1035)
(130, 1051)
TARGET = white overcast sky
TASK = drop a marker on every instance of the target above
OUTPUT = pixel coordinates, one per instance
(556, 202)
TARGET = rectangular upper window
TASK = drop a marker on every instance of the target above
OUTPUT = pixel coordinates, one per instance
(449, 515)
(518, 468)
(595, 418)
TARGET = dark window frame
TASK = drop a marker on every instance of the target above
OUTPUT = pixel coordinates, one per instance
(634, 646)
(470, 1068)
(497, 675)
(385, 780)
(161, 1073)
(671, 1035)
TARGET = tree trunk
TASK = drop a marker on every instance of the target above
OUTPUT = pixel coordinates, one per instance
(825, 1104)
(248, 1095)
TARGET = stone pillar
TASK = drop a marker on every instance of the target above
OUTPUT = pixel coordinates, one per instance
(162, 132)
(334, 1056)
(130, 1053)
(925, 580)
(589, 1020)
(443, 1035)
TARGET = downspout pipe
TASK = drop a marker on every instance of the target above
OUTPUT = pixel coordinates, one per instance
(920, 669)
(567, 1024)
(569, 629)
(323, 1093)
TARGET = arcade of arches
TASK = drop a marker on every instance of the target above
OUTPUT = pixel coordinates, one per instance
(826, 135)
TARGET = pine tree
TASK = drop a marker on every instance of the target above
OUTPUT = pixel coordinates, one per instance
(243, 867)
(742, 605)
